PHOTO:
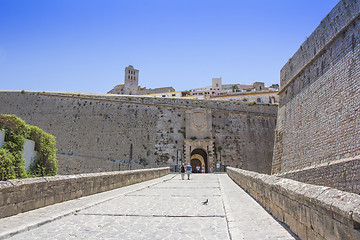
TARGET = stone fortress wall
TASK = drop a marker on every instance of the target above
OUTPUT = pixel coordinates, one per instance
(105, 132)
(317, 135)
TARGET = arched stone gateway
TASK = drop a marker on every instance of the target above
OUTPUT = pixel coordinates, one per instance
(199, 157)
(199, 145)
(200, 151)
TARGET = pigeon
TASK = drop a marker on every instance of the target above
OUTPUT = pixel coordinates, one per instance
(206, 202)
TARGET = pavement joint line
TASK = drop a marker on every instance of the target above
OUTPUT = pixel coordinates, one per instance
(21, 229)
(151, 215)
(202, 196)
(27, 226)
(188, 187)
(233, 234)
(151, 185)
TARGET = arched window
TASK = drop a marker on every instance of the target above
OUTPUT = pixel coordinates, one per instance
(258, 100)
(272, 100)
(244, 100)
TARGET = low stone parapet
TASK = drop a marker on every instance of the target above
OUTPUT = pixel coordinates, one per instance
(310, 211)
(22, 195)
(344, 174)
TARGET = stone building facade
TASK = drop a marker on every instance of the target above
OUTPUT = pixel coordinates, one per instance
(103, 132)
(217, 88)
(131, 85)
(131, 81)
(317, 134)
(270, 97)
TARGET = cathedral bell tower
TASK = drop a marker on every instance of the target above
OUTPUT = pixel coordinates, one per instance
(131, 83)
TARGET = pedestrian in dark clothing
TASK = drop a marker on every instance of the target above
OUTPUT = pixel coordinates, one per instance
(182, 171)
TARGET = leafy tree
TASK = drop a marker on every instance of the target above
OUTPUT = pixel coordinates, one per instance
(235, 88)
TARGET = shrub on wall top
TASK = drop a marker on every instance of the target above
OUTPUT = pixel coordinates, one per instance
(46, 163)
(6, 165)
(16, 131)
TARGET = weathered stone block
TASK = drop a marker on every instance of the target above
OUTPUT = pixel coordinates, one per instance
(27, 205)
(49, 200)
(311, 234)
(40, 202)
(304, 215)
(344, 232)
(343, 205)
(301, 230)
(291, 222)
(8, 210)
(277, 212)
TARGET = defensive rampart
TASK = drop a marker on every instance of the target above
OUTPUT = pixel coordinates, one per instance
(318, 117)
(341, 174)
(22, 195)
(311, 212)
(105, 132)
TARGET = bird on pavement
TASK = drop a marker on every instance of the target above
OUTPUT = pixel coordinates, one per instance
(206, 202)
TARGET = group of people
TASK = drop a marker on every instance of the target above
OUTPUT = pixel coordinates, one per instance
(189, 170)
(199, 169)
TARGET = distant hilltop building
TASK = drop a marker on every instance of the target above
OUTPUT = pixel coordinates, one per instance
(256, 92)
(131, 82)
(218, 87)
(131, 85)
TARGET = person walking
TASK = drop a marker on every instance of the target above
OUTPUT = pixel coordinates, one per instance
(188, 170)
(182, 171)
(198, 168)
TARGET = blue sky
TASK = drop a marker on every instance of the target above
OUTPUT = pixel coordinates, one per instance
(84, 45)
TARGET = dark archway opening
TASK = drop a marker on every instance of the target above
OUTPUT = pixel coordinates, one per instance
(195, 161)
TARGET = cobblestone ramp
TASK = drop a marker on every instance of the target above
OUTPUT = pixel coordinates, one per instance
(164, 208)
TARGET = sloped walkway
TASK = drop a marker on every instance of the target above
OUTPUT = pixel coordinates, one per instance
(164, 208)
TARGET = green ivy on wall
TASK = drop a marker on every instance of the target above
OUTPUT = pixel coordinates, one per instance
(12, 164)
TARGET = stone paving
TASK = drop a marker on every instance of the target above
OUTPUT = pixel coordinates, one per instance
(164, 208)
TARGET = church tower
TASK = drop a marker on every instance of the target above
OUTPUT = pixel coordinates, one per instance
(131, 82)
